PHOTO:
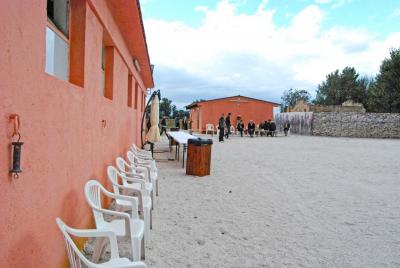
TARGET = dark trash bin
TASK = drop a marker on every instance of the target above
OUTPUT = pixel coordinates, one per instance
(199, 157)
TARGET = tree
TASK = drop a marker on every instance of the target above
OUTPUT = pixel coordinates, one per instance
(292, 96)
(384, 93)
(165, 107)
(341, 87)
(180, 113)
(173, 110)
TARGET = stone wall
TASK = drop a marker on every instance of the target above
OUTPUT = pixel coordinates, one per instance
(363, 125)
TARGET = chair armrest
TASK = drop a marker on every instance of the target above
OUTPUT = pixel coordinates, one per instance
(136, 264)
(144, 160)
(138, 193)
(123, 215)
(92, 233)
(144, 155)
(142, 171)
(147, 167)
(132, 200)
(133, 175)
(135, 180)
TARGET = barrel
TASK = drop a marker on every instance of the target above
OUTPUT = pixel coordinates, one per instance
(199, 157)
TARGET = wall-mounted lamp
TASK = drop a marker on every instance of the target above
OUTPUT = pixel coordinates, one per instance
(16, 147)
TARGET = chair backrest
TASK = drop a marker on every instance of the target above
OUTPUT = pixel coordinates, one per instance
(122, 165)
(75, 256)
(93, 196)
(112, 174)
(134, 148)
(131, 157)
(210, 127)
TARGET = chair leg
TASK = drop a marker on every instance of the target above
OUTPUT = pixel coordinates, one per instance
(157, 187)
(136, 248)
(98, 248)
(143, 250)
(151, 219)
(152, 198)
(147, 226)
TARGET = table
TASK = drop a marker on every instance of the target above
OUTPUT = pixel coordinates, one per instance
(181, 138)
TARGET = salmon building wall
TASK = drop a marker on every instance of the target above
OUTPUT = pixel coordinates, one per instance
(208, 112)
(70, 130)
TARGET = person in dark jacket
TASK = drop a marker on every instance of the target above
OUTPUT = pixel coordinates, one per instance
(240, 127)
(272, 128)
(261, 128)
(269, 131)
(251, 127)
(228, 125)
(267, 125)
(163, 126)
(177, 122)
(221, 127)
(286, 127)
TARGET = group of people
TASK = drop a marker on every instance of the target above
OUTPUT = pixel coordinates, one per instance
(267, 128)
(185, 124)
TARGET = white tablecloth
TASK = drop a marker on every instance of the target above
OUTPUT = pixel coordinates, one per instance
(181, 137)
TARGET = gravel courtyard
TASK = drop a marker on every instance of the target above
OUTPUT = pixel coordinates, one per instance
(282, 202)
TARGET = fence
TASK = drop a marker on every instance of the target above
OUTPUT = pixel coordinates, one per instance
(300, 123)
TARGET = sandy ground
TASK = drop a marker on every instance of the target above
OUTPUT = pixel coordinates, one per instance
(282, 202)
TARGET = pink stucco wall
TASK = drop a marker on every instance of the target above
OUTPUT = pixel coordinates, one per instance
(66, 142)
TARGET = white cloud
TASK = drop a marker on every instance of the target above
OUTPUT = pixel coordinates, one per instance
(396, 12)
(323, 1)
(333, 3)
(233, 53)
(262, 5)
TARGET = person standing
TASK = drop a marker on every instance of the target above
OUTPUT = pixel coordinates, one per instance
(221, 127)
(273, 128)
(251, 127)
(163, 126)
(286, 127)
(240, 127)
(267, 126)
(185, 123)
(228, 125)
(261, 129)
(177, 123)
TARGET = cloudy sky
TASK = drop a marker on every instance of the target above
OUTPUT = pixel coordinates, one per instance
(204, 49)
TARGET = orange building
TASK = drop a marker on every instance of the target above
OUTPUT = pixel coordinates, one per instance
(208, 112)
(76, 73)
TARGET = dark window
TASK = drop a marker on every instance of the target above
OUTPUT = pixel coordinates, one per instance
(57, 42)
(58, 14)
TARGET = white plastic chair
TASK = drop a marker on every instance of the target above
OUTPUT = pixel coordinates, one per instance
(141, 152)
(136, 174)
(143, 157)
(210, 127)
(150, 166)
(129, 226)
(77, 259)
(129, 189)
(233, 131)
